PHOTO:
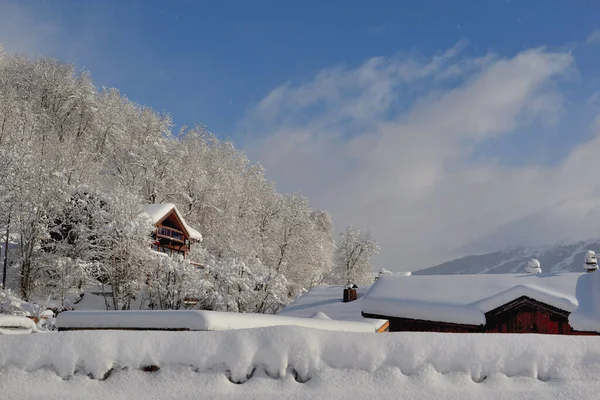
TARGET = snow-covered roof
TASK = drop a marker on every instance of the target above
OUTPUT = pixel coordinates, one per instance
(464, 299)
(196, 321)
(157, 212)
(327, 300)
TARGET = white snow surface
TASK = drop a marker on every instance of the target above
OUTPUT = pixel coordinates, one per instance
(156, 212)
(297, 363)
(196, 320)
(16, 324)
(465, 299)
(328, 299)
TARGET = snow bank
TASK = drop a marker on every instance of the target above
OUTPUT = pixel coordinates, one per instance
(195, 320)
(15, 324)
(308, 363)
(327, 299)
(586, 317)
(465, 299)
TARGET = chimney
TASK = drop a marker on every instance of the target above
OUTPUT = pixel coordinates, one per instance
(533, 267)
(591, 262)
(350, 293)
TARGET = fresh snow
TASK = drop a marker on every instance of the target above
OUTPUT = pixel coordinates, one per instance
(465, 299)
(157, 212)
(15, 324)
(327, 299)
(297, 363)
(196, 320)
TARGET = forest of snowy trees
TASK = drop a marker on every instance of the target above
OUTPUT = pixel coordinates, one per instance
(77, 166)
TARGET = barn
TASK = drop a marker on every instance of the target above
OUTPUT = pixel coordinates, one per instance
(557, 303)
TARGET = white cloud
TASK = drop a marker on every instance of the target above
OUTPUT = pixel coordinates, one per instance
(23, 31)
(406, 170)
(594, 37)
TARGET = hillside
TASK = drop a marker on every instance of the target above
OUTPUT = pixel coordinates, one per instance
(554, 258)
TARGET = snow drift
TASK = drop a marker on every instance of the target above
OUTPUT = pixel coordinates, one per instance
(322, 361)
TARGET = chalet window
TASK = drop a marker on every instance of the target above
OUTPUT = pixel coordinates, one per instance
(170, 233)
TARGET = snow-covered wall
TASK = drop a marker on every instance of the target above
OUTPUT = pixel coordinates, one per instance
(292, 362)
(278, 350)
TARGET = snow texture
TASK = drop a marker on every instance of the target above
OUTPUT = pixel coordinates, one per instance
(196, 321)
(327, 299)
(285, 362)
(464, 299)
(157, 212)
(15, 324)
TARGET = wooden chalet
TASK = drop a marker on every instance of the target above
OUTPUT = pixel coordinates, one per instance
(172, 235)
(563, 304)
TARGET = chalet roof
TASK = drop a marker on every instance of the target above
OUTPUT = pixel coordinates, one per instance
(464, 299)
(327, 300)
(157, 212)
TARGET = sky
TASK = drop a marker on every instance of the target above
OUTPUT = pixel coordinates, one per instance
(447, 128)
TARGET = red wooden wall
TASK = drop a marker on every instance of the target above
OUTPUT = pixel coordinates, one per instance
(525, 315)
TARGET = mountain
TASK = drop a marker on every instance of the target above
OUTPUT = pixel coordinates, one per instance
(554, 258)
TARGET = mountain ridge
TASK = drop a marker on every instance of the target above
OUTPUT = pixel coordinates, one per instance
(559, 257)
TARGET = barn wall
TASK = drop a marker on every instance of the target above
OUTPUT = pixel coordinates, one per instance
(411, 325)
(415, 325)
(529, 321)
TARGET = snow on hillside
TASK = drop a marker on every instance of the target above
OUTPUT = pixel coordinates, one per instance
(554, 258)
(286, 362)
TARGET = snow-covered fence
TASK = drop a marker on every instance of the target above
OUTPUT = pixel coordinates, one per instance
(193, 320)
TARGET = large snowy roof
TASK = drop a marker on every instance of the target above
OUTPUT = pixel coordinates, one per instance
(195, 320)
(157, 212)
(328, 300)
(465, 299)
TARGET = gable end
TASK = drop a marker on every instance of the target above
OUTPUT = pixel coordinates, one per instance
(525, 302)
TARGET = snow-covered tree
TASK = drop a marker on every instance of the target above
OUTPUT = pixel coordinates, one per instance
(352, 262)
(78, 163)
(171, 281)
(123, 245)
(233, 285)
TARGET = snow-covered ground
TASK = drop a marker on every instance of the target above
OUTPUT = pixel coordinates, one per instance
(293, 362)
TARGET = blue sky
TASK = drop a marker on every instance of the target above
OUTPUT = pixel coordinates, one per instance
(416, 119)
(208, 61)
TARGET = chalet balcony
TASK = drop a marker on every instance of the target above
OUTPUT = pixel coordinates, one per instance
(170, 233)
